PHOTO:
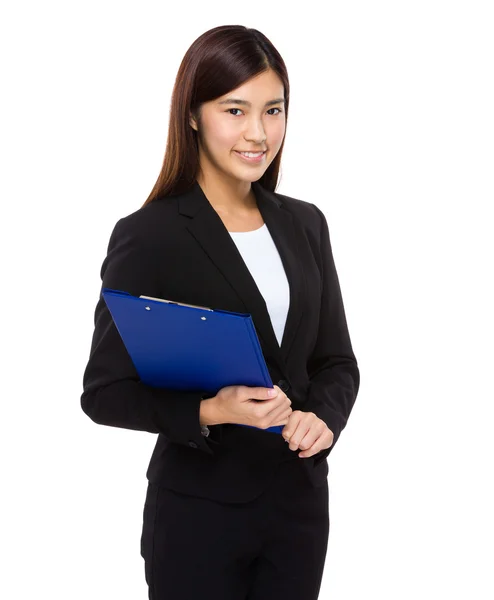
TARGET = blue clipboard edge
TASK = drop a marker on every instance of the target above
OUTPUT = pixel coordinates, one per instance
(247, 319)
(249, 323)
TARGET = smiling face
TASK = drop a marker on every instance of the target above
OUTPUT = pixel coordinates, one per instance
(250, 118)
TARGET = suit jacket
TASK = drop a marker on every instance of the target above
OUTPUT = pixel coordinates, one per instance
(178, 248)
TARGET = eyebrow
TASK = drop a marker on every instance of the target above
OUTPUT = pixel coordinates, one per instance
(247, 103)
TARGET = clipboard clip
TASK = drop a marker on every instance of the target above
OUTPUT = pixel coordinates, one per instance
(179, 303)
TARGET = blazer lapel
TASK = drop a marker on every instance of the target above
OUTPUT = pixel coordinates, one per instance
(209, 231)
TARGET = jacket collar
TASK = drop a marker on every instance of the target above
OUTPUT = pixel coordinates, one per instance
(208, 229)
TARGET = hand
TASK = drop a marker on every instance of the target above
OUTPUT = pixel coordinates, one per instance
(307, 431)
(252, 406)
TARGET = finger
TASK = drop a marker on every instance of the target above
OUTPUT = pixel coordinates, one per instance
(280, 415)
(284, 419)
(267, 393)
(291, 426)
(300, 433)
(280, 411)
(321, 443)
(309, 440)
(314, 449)
(314, 434)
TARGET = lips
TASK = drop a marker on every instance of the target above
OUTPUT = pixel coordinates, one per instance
(251, 151)
(258, 158)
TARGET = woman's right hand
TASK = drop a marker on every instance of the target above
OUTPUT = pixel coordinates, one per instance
(254, 406)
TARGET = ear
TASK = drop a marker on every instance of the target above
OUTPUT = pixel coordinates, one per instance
(193, 122)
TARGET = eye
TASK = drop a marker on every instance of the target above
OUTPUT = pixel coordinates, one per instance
(278, 109)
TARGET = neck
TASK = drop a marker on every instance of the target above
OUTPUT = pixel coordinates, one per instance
(228, 197)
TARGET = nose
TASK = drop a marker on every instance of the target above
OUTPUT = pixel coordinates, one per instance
(255, 133)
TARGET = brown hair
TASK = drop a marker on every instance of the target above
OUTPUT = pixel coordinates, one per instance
(219, 61)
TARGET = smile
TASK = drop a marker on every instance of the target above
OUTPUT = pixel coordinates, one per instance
(252, 157)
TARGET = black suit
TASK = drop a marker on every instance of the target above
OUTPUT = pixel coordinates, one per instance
(178, 248)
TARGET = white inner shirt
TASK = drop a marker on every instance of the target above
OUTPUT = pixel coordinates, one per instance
(262, 258)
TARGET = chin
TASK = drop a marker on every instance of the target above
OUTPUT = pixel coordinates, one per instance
(253, 177)
(244, 175)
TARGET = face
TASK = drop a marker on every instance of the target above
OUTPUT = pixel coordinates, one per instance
(245, 119)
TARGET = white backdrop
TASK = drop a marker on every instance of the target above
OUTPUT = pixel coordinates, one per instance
(390, 133)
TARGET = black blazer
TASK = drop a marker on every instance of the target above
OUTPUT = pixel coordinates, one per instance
(178, 248)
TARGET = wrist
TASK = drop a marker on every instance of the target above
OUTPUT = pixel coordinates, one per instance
(208, 412)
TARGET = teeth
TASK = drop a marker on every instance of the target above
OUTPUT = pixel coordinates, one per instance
(251, 154)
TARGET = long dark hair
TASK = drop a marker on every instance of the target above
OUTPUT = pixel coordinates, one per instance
(219, 61)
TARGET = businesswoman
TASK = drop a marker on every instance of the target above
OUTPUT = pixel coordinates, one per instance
(231, 512)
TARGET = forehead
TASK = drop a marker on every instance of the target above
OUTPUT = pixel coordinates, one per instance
(264, 89)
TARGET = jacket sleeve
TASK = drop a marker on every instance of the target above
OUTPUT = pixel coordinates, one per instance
(112, 391)
(332, 368)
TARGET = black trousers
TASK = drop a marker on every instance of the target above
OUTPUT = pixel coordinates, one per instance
(273, 547)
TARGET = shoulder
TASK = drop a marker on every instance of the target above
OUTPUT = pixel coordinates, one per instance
(311, 219)
(307, 214)
(147, 224)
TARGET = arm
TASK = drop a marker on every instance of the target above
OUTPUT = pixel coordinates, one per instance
(112, 391)
(332, 368)
(208, 414)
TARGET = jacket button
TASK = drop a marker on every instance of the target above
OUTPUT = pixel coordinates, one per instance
(192, 444)
(283, 385)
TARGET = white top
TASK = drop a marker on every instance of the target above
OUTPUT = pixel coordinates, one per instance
(261, 256)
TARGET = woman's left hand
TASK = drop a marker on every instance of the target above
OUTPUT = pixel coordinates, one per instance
(307, 431)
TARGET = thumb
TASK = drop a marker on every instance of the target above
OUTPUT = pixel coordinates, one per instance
(286, 431)
(271, 392)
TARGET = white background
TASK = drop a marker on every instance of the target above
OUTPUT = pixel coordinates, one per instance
(390, 133)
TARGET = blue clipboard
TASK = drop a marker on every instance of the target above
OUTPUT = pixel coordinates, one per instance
(185, 347)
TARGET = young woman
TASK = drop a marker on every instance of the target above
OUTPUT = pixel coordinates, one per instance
(231, 512)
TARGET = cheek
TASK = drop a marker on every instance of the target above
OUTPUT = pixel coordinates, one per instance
(219, 136)
(275, 134)
(279, 132)
(226, 137)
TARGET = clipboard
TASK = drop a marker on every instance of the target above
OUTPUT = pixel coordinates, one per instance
(182, 346)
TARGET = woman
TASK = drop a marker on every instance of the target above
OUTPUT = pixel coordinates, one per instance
(231, 513)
